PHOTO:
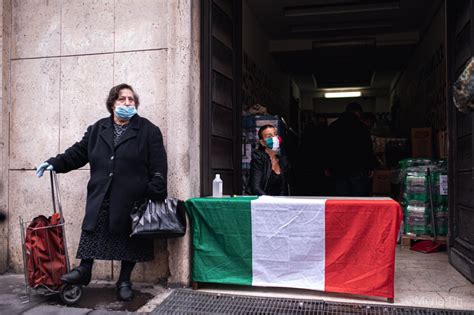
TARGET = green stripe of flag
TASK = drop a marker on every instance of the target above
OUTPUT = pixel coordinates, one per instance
(222, 239)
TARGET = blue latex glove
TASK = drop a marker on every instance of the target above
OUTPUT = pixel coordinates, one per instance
(43, 166)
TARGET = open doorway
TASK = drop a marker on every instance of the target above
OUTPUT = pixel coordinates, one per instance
(392, 56)
(396, 54)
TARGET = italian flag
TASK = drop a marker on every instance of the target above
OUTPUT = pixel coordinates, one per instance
(338, 245)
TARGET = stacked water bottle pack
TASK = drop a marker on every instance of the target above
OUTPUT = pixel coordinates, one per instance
(418, 176)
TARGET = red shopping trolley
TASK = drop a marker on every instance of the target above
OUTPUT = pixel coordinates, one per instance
(45, 255)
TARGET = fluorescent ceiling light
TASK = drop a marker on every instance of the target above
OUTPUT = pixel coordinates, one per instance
(343, 9)
(309, 28)
(344, 43)
(342, 94)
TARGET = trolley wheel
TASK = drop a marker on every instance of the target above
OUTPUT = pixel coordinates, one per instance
(70, 293)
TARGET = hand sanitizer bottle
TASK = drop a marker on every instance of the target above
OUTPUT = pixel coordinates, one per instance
(217, 186)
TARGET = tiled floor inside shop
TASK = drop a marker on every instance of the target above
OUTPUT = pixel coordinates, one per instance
(424, 280)
(429, 280)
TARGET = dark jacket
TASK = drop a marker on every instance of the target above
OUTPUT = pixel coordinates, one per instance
(349, 146)
(260, 170)
(136, 168)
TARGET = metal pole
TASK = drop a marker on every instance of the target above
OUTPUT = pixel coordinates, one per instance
(55, 188)
(52, 191)
(25, 268)
(433, 218)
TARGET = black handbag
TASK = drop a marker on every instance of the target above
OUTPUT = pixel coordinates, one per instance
(159, 219)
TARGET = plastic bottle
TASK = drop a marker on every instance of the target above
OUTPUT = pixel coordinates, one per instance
(217, 186)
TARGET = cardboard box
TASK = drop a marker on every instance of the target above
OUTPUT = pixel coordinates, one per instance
(442, 144)
(381, 182)
(422, 142)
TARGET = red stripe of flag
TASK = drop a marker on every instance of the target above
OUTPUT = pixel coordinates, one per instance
(361, 237)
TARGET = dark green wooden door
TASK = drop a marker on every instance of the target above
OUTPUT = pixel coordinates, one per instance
(221, 53)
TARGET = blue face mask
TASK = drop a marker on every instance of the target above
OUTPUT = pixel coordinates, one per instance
(125, 112)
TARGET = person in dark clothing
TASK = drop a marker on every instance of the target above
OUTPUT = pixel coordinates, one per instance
(310, 167)
(3, 216)
(369, 120)
(350, 159)
(268, 170)
(127, 163)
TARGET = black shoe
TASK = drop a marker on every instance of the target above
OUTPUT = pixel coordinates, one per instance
(124, 291)
(79, 275)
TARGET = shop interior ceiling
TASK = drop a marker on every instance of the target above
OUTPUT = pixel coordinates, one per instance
(343, 43)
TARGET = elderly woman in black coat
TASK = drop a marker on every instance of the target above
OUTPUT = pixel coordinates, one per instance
(127, 163)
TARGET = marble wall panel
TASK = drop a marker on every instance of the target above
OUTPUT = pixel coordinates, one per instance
(140, 24)
(36, 28)
(34, 121)
(145, 71)
(85, 84)
(87, 27)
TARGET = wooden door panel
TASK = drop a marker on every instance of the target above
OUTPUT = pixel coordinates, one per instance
(220, 90)
(222, 121)
(222, 58)
(463, 15)
(222, 28)
(220, 157)
(460, 34)
(225, 5)
(463, 51)
(465, 189)
(458, 260)
(465, 226)
(464, 157)
(464, 124)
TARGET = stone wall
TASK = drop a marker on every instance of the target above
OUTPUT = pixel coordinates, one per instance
(5, 26)
(65, 56)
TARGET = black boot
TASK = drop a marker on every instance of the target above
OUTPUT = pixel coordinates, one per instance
(124, 291)
(124, 286)
(79, 275)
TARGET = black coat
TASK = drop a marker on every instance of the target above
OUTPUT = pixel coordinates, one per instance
(349, 146)
(136, 168)
(260, 170)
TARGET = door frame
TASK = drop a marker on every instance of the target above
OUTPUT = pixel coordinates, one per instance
(206, 95)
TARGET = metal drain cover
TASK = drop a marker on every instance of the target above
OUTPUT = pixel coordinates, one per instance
(186, 301)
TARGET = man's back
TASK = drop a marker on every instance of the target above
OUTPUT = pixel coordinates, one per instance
(350, 146)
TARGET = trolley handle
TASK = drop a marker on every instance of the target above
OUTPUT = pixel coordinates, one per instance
(57, 206)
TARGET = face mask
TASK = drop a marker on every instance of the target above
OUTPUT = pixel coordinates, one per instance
(273, 143)
(125, 112)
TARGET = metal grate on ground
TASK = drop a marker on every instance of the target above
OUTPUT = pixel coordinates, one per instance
(186, 301)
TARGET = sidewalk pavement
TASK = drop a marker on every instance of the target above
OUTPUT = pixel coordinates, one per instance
(99, 298)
